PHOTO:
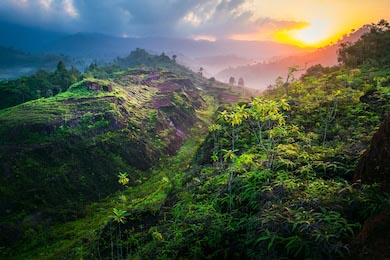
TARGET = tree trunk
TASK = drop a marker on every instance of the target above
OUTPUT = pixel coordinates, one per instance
(112, 243)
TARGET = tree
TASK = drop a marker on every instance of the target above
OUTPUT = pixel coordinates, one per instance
(372, 48)
(200, 73)
(215, 129)
(234, 118)
(123, 178)
(241, 82)
(290, 76)
(232, 81)
(120, 218)
(61, 66)
(329, 117)
(267, 123)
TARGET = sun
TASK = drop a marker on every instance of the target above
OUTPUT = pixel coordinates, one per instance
(316, 34)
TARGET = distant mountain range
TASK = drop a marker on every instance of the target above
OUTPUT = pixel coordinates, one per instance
(261, 74)
(93, 45)
(25, 38)
(258, 62)
(15, 63)
(107, 47)
(85, 48)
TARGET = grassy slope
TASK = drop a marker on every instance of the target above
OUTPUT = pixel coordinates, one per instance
(304, 207)
(49, 138)
(66, 241)
(62, 152)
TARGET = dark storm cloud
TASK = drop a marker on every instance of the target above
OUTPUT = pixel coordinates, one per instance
(51, 14)
(180, 18)
(138, 17)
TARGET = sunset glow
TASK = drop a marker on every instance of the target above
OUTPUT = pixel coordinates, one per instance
(194, 129)
(316, 34)
(305, 23)
(327, 21)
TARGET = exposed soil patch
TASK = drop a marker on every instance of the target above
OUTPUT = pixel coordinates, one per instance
(80, 100)
(168, 87)
(159, 102)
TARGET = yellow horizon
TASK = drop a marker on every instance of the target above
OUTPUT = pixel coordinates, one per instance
(314, 35)
(319, 23)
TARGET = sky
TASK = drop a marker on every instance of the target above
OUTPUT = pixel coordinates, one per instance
(300, 22)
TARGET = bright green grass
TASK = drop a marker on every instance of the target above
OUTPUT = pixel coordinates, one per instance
(65, 241)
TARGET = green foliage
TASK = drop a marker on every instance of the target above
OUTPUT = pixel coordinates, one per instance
(300, 206)
(372, 49)
(64, 152)
(140, 57)
(272, 180)
(41, 84)
(119, 216)
(122, 178)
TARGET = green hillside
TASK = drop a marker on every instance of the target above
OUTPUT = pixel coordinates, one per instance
(146, 160)
(41, 84)
(60, 153)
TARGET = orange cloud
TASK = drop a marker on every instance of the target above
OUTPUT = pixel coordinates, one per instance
(268, 30)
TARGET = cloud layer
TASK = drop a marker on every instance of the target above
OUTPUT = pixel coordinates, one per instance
(171, 18)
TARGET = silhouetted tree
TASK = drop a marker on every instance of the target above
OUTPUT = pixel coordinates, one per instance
(372, 48)
(241, 82)
(200, 72)
(61, 66)
(232, 81)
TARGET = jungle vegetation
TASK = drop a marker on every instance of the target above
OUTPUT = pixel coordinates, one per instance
(261, 177)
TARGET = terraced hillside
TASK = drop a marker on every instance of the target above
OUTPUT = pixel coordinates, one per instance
(61, 152)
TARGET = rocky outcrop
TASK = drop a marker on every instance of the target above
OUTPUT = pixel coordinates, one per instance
(96, 86)
(374, 165)
(374, 239)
